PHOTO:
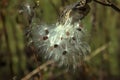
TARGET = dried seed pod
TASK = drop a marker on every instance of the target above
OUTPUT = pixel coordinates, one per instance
(65, 43)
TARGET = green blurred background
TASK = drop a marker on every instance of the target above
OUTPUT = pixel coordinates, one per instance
(16, 60)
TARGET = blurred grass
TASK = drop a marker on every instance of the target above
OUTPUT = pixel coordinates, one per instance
(102, 24)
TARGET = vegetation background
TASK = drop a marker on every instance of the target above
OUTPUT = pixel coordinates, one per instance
(16, 61)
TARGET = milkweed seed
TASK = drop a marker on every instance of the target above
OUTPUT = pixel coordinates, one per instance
(56, 45)
(45, 37)
(64, 52)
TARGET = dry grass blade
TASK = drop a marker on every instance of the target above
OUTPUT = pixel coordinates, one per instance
(97, 51)
(28, 76)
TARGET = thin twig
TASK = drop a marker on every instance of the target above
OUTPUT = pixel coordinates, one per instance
(97, 51)
(28, 76)
(109, 4)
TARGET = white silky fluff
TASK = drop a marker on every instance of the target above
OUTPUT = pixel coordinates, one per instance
(64, 43)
